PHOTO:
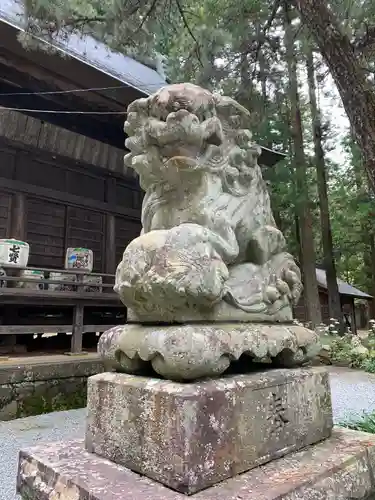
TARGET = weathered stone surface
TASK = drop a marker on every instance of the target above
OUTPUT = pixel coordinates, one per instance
(29, 370)
(209, 248)
(30, 389)
(340, 468)
(193, 351)
(190, 436)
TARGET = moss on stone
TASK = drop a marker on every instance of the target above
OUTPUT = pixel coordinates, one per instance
(44, 399)
(42, 388)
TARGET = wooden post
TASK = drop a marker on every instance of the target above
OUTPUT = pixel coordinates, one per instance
(110, 234)
(17, 227)
(18, 232)
(18, 217)
(354, 322)
(110, 244)
(78, 312)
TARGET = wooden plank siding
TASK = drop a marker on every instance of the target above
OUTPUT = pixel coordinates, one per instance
(30, 131)
(125, 231)
(300, 310)
(45, 232)
(86, 228)
(65, 203)
(347, 304)
(5, 210)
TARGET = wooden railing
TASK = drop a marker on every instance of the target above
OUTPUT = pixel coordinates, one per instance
(77, 296)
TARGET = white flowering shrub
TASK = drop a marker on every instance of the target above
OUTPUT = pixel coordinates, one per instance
(297, 323)
(371, 335)
(333, 326)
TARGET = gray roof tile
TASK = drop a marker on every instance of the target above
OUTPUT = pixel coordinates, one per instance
(94, 53)
(344, 288)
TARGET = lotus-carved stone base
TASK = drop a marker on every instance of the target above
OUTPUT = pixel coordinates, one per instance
(193, 351)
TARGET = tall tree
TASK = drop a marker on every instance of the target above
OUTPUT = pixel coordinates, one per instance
(311, 293)
(140, 26)
(365, 207)
(319, 159)
(344, 59)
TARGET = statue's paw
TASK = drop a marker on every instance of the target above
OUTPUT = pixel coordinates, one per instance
(272, 294)
(283, 287)
(284, 280)
(171, 270)
(292, 279)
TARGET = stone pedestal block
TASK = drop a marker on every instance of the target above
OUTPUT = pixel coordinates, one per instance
(191, 436)
(339, 468)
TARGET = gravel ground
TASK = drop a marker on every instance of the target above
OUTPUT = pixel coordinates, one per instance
(353, 393)
(26, 432)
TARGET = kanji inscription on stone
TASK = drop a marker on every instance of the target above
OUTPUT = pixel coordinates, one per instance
(277, 414)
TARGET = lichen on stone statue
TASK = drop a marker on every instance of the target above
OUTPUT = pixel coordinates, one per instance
(209, 276)
(209, 247)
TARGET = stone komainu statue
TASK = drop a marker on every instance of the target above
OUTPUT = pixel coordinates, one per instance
(209, 248)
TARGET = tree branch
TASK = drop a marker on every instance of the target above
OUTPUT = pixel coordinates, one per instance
(266, 27)
(148, 14)
(55, 26)
(81, 21)
(365, 43)
(186, 24)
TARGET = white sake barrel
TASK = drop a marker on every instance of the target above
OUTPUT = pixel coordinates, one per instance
(14, 253)
(79, 259)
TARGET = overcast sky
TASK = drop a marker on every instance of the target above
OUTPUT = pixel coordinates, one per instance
(333, 110)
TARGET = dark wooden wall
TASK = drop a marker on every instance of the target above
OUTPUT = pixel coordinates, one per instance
(53, 203)
(300, 311)
(347, 304)
(45, 136)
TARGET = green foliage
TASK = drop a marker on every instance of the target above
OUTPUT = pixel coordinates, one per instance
(351, 351)
(368, 365)
(365, 424)
(343, 352)
(121, 24)
(47, 400)
(340, 350)
(352, 211)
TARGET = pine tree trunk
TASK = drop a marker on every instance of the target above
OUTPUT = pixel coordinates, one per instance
(357, 93)
(372, 261)
(311, 293)
(334, 302)
(367, 231)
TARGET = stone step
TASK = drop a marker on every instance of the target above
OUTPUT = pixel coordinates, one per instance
(339, 468)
